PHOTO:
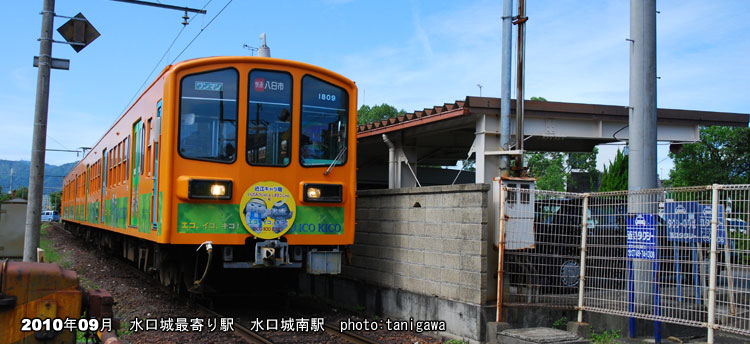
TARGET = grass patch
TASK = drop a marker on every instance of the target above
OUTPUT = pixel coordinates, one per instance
(52, 255)
(50, 252)
(561, 324)
(605, 337)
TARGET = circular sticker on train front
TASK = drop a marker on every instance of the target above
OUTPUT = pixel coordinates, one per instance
(267, 209)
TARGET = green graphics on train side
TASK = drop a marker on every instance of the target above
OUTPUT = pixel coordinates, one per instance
(225, 219)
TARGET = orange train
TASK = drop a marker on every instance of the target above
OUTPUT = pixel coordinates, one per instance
(253, 157)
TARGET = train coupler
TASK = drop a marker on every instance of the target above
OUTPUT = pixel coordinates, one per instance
(272, 253)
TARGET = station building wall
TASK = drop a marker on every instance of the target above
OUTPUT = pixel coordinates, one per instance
(420, 253)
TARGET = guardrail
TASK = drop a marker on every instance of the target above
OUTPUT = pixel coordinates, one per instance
(679, 255)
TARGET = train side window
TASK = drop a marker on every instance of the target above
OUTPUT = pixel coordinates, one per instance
(269, 118)
(208, 116)
(119, 163)
(146, 156)
(143, 149)
(323, 138)
(127, 155)
(109, 167)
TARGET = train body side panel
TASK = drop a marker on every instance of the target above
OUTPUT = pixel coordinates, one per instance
(97, 191)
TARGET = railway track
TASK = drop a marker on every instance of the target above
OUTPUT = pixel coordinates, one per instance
(255, 338)
(327, 333)
(242, 331)
(350, 337)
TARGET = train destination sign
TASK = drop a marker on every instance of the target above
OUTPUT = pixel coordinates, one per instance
(209, 86)
(641, 236)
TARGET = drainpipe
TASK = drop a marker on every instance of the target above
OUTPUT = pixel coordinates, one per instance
(392, 162)
(507, 48)
(521, 54)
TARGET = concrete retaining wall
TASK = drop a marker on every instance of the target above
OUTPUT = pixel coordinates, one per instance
(422, 253)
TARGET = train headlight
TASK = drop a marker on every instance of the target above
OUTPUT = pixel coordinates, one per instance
(313, 193)
(325, 193)
(218, 190)
(210, 189)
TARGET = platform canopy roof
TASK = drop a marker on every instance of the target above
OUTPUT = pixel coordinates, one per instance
(443, 134)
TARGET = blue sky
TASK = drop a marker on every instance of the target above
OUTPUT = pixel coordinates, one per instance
(410, 54)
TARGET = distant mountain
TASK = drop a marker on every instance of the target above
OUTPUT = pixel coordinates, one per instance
(53, 175)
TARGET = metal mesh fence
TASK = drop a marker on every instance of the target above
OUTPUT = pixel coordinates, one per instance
(645, 254)
(733, 262)
(543, 264)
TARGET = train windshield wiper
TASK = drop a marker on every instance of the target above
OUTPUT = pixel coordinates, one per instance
(333, 163)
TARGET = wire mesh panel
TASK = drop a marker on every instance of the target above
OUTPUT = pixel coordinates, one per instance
(733, 261)
(647, 255)
(542, 235)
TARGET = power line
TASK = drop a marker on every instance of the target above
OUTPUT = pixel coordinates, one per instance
(58, 142)
(148, 77)
(201, 31)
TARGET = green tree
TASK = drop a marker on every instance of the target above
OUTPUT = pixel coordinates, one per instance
(22, 192)
(367, 114)
(585, 163)
(615, 177)
(548, 168)
(54, 200)
(722, 156)
(539, 99)
(553, 170)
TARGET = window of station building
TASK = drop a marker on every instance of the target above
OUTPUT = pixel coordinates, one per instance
(511, 196)
(269, 118)
(323, 138)
(208, 116)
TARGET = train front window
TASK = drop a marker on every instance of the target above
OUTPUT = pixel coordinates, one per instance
(323, 123)
(269, 118)
(208, 116)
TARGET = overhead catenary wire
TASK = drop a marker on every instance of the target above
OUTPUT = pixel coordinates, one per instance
(158, 63)
(201, 31)
(58, 142)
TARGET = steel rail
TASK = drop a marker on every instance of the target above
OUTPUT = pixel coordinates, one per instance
(348, 336)
(242, 331)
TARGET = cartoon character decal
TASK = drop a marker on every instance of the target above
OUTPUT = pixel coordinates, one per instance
(280, 213)
(267, 209)
(255, 213)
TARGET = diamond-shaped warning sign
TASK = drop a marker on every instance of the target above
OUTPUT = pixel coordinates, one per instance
(78, 31)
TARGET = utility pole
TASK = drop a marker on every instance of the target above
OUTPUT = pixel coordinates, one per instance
(39, 140)
(642, 137)
(642, 131)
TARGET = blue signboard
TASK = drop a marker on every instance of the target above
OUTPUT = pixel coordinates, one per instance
(682, 223)
(641, 236)
(691, 222)
(704, 223)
